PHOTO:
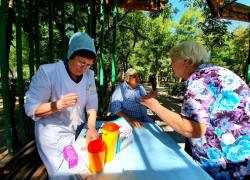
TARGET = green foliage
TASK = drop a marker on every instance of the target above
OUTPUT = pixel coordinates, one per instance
(174, 89)
(188, 29)
(143, 40)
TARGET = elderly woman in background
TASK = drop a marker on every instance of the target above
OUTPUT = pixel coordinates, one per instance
(215, 113)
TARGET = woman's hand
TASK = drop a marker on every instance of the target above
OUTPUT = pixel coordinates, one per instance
(46, 109)
(149, 101)
(154, 93)
(92, 134)
(67, 100)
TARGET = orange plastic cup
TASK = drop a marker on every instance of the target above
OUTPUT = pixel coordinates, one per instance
(110, 135)
(96, 149)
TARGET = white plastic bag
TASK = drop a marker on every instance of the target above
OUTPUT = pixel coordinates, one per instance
(75, 117)
(82, 143)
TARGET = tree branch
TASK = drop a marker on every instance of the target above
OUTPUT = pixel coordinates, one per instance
(120, 26)
(125, 27)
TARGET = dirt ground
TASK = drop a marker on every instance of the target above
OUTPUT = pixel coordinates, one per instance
(28, 127)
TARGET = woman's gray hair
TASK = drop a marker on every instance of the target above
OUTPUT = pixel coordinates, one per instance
(195, 52)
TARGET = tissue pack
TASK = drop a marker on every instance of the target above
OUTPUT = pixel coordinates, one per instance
(74, 155)
(80, 172)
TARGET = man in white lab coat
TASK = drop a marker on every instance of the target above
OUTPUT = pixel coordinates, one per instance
(54, 90)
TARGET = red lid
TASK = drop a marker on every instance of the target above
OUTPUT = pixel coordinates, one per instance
(97, 146)
(110, 127)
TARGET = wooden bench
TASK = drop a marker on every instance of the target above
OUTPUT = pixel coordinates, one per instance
(25, 163)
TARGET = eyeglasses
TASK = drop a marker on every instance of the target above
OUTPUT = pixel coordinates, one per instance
(83, 65)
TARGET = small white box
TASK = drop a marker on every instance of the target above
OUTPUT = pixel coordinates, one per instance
(82, 154)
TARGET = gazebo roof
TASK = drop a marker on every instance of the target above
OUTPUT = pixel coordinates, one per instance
(229, 9)
(144, 5)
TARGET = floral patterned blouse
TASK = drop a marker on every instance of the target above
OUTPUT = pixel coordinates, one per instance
(219, 98)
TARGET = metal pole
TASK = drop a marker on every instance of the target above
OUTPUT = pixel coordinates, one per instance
(20, 69)
(114, 45)
(90, 17)
(31, 44)
(51, 34)
(101, 57)
(76, 13)
(63, 31)
(37, 29)
(4, 75)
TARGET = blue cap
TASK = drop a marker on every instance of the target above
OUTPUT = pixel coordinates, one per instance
(80, 41)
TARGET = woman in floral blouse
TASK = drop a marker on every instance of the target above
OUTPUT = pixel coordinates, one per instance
(215, 113)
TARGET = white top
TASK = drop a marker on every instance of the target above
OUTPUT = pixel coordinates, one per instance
(51, 83)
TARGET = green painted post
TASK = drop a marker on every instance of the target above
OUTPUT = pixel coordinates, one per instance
(90, 18)
(158, 4)
(37, 29)
(114, 45)
(51, 34)
(20, 69)
(248, 63)
(101, 58)
(248, 74)
(63, 32)
(31, 44)
(76, 13)
(4, 76)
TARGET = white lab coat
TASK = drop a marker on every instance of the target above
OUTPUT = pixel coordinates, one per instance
(49, 84)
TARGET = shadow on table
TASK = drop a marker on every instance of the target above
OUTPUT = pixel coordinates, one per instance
(157, 132)
(173, 174)
(166, 141)
(170, 174)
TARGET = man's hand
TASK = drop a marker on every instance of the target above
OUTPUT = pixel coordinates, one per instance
(134, 122)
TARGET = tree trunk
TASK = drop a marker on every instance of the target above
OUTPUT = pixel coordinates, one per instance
(156, 72)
